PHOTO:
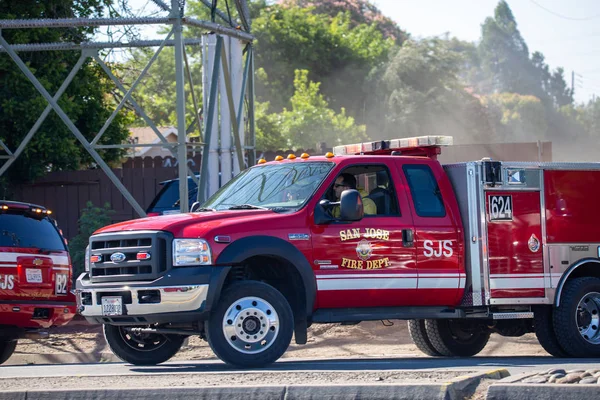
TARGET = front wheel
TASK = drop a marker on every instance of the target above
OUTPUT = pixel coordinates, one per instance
(141, 348)
(7, 348)
(456, 338)
(251, 326)
(577, 319)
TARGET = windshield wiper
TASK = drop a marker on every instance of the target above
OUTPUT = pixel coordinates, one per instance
(248, 207)
(204, 209)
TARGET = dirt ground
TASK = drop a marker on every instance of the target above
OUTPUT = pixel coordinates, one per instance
(367, 339)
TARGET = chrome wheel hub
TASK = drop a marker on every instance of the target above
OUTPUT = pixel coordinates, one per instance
(587, 317)
(251, 325)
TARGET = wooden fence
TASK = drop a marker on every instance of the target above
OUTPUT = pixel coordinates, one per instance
(67, 192)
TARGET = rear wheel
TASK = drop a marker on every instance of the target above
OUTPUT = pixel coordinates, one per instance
(7, 348)
(251, 326)
(456, 338)
(141, 348)
(577, 319)
(544, 331)
(418, 334)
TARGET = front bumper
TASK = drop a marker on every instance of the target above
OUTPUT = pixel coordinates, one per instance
(180, 295)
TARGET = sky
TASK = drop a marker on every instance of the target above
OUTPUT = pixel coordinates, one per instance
(567, 32)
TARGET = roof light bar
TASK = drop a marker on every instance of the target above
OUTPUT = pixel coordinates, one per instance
(415, 146)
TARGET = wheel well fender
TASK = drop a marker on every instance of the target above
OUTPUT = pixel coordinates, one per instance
(583, 267)
(245, 248)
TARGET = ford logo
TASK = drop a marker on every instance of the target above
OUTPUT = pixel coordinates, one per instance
(117, 257)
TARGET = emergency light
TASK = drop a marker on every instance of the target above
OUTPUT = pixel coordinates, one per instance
(427, 146)
(31, 210)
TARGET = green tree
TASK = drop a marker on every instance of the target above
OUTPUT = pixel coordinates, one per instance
(360, 12)
(335, 53)
(504, 53)
(308, 122)
(92, 218)
(507, 67)
(552, 87)
(156, 92)
(420, 93)
(518, 117)
(85, 101)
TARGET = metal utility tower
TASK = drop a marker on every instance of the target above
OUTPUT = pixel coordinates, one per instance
(224, 78)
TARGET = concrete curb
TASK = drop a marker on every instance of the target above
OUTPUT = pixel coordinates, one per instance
(457, 388)
(61, 358)
(550, 391)
(464, 386)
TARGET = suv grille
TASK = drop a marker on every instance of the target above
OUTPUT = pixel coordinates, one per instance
(158, 244)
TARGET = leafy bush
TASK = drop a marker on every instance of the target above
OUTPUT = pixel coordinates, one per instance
(92, 218)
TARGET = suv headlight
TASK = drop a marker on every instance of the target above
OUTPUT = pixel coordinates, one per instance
(87, 259)
(191, 252)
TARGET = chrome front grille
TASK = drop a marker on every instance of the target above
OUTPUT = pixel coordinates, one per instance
(129, 244)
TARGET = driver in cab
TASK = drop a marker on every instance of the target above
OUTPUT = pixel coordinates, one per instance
(346, 182)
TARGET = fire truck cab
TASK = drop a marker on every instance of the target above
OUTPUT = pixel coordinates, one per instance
(373, 231)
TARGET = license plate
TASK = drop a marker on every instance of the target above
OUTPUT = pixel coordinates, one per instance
(33, 275)
(112, 306)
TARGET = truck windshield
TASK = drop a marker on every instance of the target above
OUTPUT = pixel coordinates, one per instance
(286, 186)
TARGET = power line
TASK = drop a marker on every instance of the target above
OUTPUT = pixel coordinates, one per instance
(563, 16)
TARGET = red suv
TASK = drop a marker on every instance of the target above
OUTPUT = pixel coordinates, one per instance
(35, 275)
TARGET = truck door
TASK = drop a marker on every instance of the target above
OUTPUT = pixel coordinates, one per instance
(371, 262)
(514, 232)
(441, 274)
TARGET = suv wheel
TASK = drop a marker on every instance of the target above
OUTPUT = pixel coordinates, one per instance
(251, 326)
(141, 348)
(7, 348)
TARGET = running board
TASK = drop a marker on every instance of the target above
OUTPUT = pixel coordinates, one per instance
(328, 315)
(513, 315)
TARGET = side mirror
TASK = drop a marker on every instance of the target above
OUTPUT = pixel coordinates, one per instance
(195, 206)
(351, 206)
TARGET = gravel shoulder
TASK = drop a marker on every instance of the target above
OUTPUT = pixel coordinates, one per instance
(232, 379)
(367, 339)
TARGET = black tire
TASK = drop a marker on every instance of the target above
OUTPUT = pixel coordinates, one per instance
(141, 349)
(7, 348)
(544, 331)
(418, 334)
(456, 338)
(254, 306)
(568, 317)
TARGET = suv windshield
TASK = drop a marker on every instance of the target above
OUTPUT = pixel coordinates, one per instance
(168, 197)
(18, 230)
(277, 186)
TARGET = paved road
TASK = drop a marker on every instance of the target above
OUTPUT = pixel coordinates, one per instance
(515, 365)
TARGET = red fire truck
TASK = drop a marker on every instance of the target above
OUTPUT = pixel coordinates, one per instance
(372, 231)
(35, 275)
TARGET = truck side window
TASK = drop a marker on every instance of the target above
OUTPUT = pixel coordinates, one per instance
(425, 191)
(376, 188)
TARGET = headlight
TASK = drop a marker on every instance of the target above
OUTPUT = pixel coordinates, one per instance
(87, 258)
(191, 252)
